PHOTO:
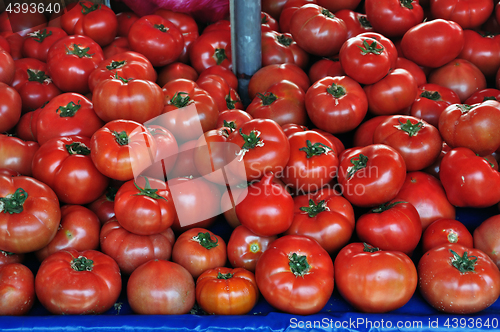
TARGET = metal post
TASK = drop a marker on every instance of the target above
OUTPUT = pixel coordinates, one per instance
(245, 42)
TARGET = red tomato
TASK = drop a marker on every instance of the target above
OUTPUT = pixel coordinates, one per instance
(156, 38)
(166, 153)
(433, 43)
(160, 287)
(10, 107)
(448, 273)
(273, 7)
(71, 60)
(356, 23)
(363, 135)
(117, 46)
(226, 291)
(483, 50)
(122, 149)
(278, 48)
(233, 119)
(483, 95)
(184, 166)
(371, 175)
(268, 23)
(198, 250)
(174, 71)
(295, 275)
(288, 10)
(470, 14)
(325, 217)
(244, 247)
(9, 257)
(418, 73)
(36, 44)
(125, 20)
(66, 166)
(394, 226)
(374, 280)
(486, 238)
(336, 104)
(211, 49)
(17, 289)
(387, 43)
(75, 282)
(31, 214)
(224, 96)
(323, 68)
(226, 73)
(444, 231)
(104, 206)
(23, 21)
(317, 30)
(7, 67)
(131, 250)
(393, 18)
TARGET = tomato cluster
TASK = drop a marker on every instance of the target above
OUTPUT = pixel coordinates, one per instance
(124, 142)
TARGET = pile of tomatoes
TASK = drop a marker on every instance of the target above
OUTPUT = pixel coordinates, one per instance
(124, 140)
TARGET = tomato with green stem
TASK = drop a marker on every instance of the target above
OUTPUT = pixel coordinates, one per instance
(443, 231)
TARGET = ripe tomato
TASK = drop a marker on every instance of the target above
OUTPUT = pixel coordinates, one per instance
(278, 48)
(393, 18)
(31, 214)
(470, 14)
(131, 250)
(66, 166)
(10, 107)
(448, 273)
(356, 23)
(226, 291)
(9, 258)
(17, 289)
(417, 72)
(166, 153)
(295, 275)
(486, 238)
(363, 134)
(224, 96)
(483, 95)
(7, 67)
(394, 226)
(36, 44)
(75, 282)
(325, 67)
(160, 287)
(104, 206)
(374, 280)
(125, 20)
(233, 119)
(483, 50)
(210, 49)
(444, 231)
(220, 70)
(198, 250)
(174, 71)
(156, 38)
(289, 8)
(117, 46)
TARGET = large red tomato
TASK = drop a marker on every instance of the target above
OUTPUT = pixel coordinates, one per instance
(483, 50)
(470, 14)
(17, 289)
(444, 231)
(486, 238)
(211, 49)
(10, 107)
(37, 44)
(16, 154)
(393, 18)
(282, 48)
(7, 68)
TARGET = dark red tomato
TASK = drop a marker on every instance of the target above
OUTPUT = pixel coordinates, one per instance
(472, 126)
(17, 287)
(130, 250)
(117, 46)
(36, 44)
(221, 25)
(363, 135)
(356, 23)
(483, 50)
(210, 49)
(23, 22)
(127, 65)
(448, 273)
(156, 38)
(273, 7)
(288, 10)
(336, 104)
(233, 119)
(31, 214)
(432, 100)
(324, 216)
(392, 94)
(283, 102)
(486, 238)
(418, 73)
(323, 68)
(198, 250)
(459, 75)
(444, 231)
(483, 95)
(393, 18)
(469, 180)
(244, 247)
(267, 208)
(9, 257)
(374, 280)
(71, 60)
(161, 287)
(26, 127)
(295, 275)
(337, 143)
(78, 282)
(22, 66)
(122, 149)
(166, 153)
(470, 14)
(371, 175)
(317, 30)
(335, 6)
(104, 206)
(224, 96)
(393, 226)
(79, 229)
(125, 20)
(7, 67)
(67, 114)
(10, 107)
(418, 142)
(65, 165)
(269, 75)
(16, 43)
(278, 48)
(4, 44)
(433, 43)
(174, 71)
(184, 165)
(94, 20)
(268, 23)
(227, 74)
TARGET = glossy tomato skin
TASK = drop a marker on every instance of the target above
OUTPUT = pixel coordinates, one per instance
(393, 18)
(16, 154)
(104, 206)
(176, 70)
(282, 48)
(10, 107)
(234, 118)
(289, 8)
(417, 72)
(323, 68)
(453, 291)
(161, 287)
(469, 180)
(71, 60)
(485, 238)
(483, 95)
(78, 282)
(371, 175)
(363, 135)
(7, 69)
(392, 226)
(444, 231)
(125, 20)
(433, 43)
(374, 280)
(300, 291)
(468, 13)
(157, 38)
(166, 152)
(198, 250)
(336, 104)
(66, 166)
(117, 46)
(244, 247)
(29, 229)
(226, 291)
(210, 49)
(79, 229)
(483, 50)
(224, 96)
(355, 22)
(17, 287)
(131, 250)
